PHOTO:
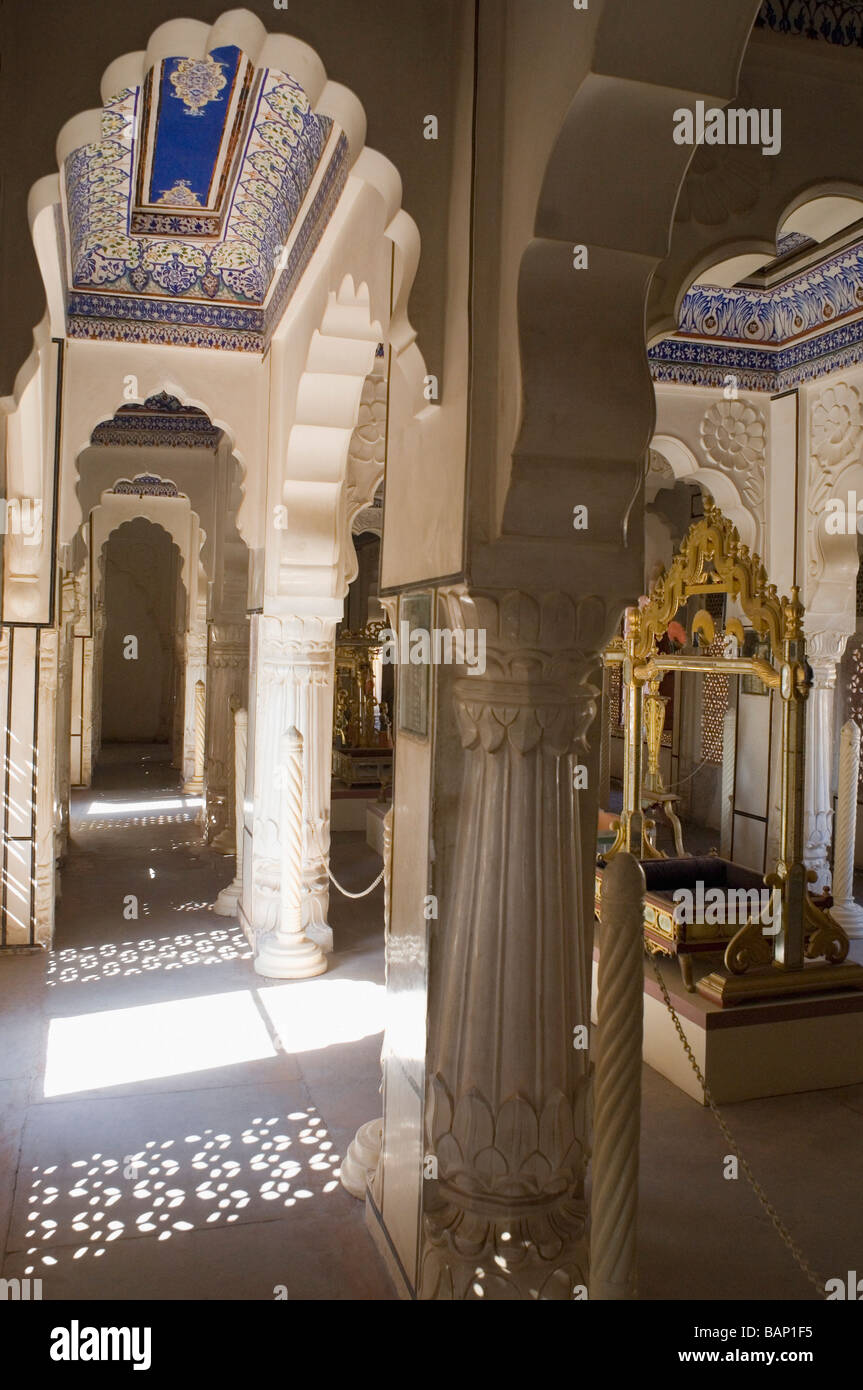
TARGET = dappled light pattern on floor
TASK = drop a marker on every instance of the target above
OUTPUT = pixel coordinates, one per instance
(206, 947)
(175, 1131)
(170, 1187)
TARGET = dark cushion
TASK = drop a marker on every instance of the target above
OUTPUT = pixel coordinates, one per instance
(664, 875)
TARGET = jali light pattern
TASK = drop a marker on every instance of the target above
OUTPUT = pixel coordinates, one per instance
(714, 690)
(615, 698)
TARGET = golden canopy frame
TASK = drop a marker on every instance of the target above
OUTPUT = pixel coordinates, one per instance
(713, 560)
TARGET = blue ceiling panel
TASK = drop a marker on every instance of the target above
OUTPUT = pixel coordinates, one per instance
(194, 98)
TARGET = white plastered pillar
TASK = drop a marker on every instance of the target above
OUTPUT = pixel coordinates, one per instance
(292, 685)
(824, 652)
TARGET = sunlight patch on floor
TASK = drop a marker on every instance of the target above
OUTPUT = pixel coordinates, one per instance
(118, 1046)
(310, 1014)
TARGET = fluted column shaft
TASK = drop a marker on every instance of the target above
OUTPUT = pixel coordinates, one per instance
(195, 643)
(227, 680)
(818, 805)
(507, 1088)
(196, 784)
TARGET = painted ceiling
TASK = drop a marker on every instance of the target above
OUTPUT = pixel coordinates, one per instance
(192, 219)
(770, 337)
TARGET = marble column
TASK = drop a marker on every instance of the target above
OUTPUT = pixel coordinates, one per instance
(294, 658)
(94, 651)
(196, 783)
(287, 953)
(64, 713)
(179, 654)
(228, 899)
(44, 753)
(507, 1087)
(824, 651)
(227, 683)
(195, 671)
(845, 910)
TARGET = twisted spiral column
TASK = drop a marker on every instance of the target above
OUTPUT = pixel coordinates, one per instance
(287, 953)
(617, 1084)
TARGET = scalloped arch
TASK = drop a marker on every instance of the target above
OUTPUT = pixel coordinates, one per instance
(686, 468)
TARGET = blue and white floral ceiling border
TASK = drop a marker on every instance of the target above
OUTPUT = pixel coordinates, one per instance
(772, 339)
(834, 21)
(140, 289)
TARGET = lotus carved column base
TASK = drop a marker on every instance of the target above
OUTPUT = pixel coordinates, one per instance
(520, 1253)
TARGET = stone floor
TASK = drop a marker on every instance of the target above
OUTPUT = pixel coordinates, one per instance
(171, 1126)
(159, 1140)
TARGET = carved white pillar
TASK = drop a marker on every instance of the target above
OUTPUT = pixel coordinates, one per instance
(824, 650)
(227, 681)
(99, 625)
(179, 651)
(361, 1162)
(228, 900)
(64, 712)
(196, 670)
(845, 910)
(295, 658)
(287, 953)
(45, 753)
(196, 783)
(507, 1087)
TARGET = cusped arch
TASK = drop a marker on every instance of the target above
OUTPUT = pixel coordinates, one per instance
(173, 515)
(686, 467)
(834, 555)
(319, 496)
(816, 211)
(99, 409)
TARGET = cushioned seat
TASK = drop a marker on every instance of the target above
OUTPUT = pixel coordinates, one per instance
(664, 875)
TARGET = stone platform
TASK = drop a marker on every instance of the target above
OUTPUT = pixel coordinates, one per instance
(768, 1048)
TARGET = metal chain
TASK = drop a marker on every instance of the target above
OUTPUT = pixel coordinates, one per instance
(365, 892)
(344, 891)
(780, 1226)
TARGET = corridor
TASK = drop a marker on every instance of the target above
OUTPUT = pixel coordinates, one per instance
(172, 1124)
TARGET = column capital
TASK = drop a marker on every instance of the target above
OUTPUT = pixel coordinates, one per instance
(539, 656)
(824, 651)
